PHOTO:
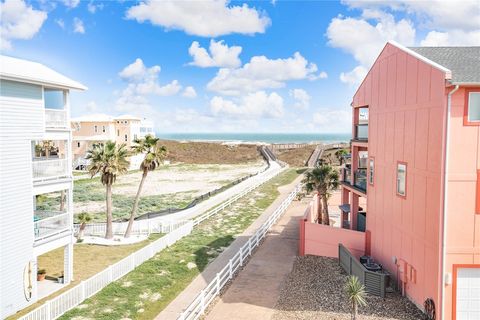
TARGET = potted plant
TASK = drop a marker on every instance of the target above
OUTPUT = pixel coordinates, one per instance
(41, 273)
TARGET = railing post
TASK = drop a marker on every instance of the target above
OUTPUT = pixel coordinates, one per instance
(202, 308)
(49, 309)
(241, 256)
(217, 284)
(82, 286)
(230, 273)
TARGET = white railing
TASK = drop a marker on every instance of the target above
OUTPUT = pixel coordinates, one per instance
(143, 227)
(50, 226)
(52, 168)
(56, 118)
(54, 308)
(197, 308)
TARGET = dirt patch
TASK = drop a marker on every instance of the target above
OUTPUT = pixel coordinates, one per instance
(296, 157)
(208, 152)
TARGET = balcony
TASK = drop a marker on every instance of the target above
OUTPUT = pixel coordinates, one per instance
(360, 179)
(347, 175)
(46, 169)
(56, 119)
(361, 132)
(50, 223)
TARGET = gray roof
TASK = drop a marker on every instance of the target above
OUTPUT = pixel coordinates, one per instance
(464, 62)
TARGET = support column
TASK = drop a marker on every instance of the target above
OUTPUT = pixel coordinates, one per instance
(68, 263)
(353, 211)
(345, 200)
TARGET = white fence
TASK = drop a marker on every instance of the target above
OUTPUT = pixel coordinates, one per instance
(54, 308)
(144, 227)
(52, 168)
(175, 230)
(197, 308)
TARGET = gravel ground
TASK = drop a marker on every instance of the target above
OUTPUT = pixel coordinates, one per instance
(314, 290)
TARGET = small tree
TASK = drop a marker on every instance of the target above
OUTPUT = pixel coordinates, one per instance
(324, 180)
(154, 155)
(356, 294)
(109, 160)
(340, 154)
(84, 218)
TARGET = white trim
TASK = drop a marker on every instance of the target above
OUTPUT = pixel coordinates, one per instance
(448, 72)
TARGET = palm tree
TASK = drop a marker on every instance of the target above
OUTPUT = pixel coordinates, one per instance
(154, 155)
(323, 179)
(109, 160)
(340, 154)
(84, 218)
(355, 291)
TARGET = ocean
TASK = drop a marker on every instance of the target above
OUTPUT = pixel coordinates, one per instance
(259, 137)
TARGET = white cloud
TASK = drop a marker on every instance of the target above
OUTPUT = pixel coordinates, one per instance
(71, 3)
(252, 105)
(262, 73)
(18, 21)
(355, 76)
(221, 55)
(332, 120)
(302, 98)
(93, 7)
(143, 81)
(91, 106)
(209, 18)
(60, 23)
(78, 26)
(452, 38)
(189, 92)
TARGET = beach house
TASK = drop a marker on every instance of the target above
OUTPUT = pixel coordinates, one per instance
(415, 163)
(36, 214)
(97, 128)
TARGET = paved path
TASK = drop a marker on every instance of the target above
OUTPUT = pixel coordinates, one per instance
(183, 300)
(255, 291)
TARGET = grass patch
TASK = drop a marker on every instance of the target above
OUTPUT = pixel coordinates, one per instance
(88, 261)
(147, 290)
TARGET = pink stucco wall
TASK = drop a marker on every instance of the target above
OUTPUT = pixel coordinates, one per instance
(406, 101)
(322, 240)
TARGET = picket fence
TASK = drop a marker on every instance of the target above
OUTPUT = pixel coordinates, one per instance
(174, 230)
(197, 308)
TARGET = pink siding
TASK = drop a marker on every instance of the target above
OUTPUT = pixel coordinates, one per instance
(463, 225)
(406, 120)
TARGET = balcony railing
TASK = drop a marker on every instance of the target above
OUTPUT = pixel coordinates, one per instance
(50, 169)
(347, 175)
(56, 118)
(361, 132)
(360, 179)
(51, 226)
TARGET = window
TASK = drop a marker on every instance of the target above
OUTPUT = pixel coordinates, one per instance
(135, 136)
(126, 138)
(54, 99)
(401, 179)
(118, 133)
(78, 144)
(95, 128)
(371, 169)
(103, 129)
(474, 106)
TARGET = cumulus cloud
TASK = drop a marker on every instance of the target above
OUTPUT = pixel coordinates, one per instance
(209, 18)
(143, 81)
(262, 73)
(78, 26)
(219, 55)
(189, 92)
(301, 97)
(71, 3)
(252, 105)
(18, 21)
(333, 120)
(451, 23)
(93, 7)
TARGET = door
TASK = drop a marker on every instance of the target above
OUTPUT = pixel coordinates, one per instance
(467, 293)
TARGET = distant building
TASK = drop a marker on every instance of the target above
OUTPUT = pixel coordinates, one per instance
(35, 164)
(98, 128)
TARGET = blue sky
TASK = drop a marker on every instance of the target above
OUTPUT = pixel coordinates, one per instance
(217, 66)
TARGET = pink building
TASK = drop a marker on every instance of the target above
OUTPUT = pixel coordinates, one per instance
(415, 157)
(416, 162)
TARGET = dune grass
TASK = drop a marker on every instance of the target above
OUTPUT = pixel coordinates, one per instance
(147, 290)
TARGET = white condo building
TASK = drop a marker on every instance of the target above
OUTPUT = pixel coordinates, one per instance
(36, 199)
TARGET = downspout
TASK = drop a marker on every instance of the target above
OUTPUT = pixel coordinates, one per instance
(445, 193)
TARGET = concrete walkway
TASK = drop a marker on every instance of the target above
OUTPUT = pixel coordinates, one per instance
(254, 293)
(183, 300)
